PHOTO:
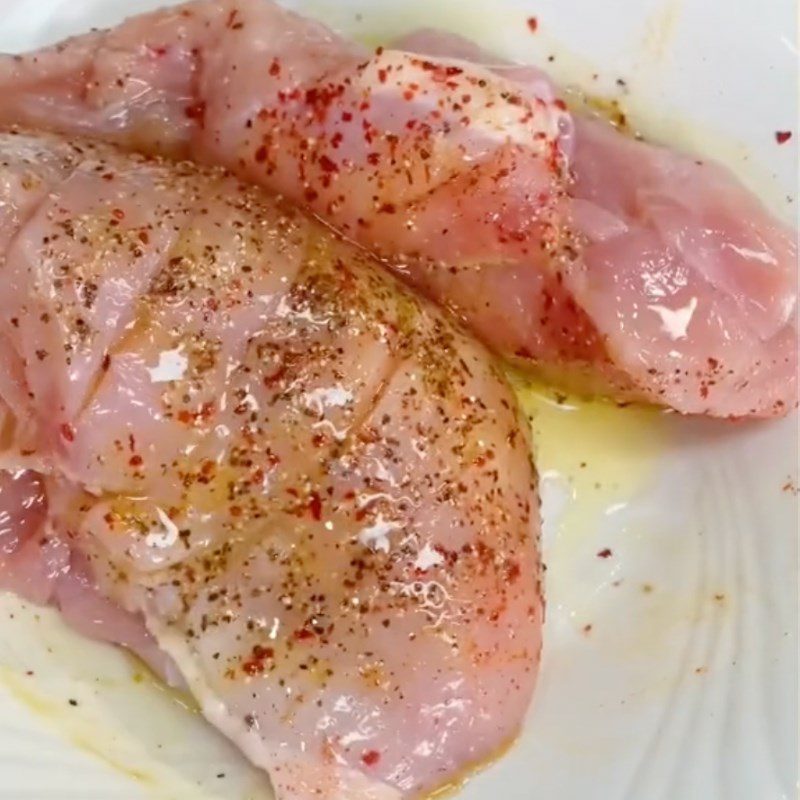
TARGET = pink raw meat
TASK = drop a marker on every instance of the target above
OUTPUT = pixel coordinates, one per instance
(607, 264)
(313, 487)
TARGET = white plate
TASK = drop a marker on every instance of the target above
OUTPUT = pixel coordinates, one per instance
(670, 670)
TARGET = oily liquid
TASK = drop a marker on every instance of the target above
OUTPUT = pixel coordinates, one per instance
(602, 454)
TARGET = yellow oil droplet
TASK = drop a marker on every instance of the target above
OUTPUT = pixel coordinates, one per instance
(603, 454)
(71, 725)
(455, 784)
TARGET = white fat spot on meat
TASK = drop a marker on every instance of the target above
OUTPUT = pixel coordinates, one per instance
(171, 366)
(320, 399)
(376, 536)
(427, 558)
(163, 538)
(676, 321)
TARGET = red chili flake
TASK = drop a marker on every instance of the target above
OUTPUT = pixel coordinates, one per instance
(261, 154)
(533, 24)
(236, 511)
(67, 432)
(781, 137)
(271, 380)
(303, 634)
(327, 164)
(370, 757)
(310, 195)
(388, 208)
(136, 461)
(275, 68)
(196, 111)
(559, 103)
(604, 553)
(336, 139)
(408, 95)
(118, 213)
(347, 116)
(252, 667)
(259, 655)
(382, 75)
(513, 571)
(315, 505)
(144, 238)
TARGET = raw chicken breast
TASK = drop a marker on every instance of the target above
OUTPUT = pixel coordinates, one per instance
(38, 565)
(609, 265)
(312, 487)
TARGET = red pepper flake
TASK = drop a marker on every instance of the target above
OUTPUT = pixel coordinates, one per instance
(781, 137)
(303, 634)
(604, 553)
(327, 164)
(370, 757)
(67, 432)
(315, 506)
(533, 24)
(310, 195)
(387, 208)
(118, 213)
(271, 380)
(560, 104)
(382, 75)
(196, 111)
(136, 461)
(261, 154)
(255, 665)
(275, 68)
